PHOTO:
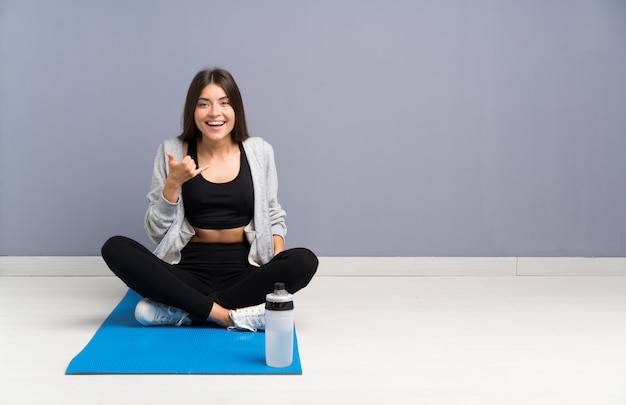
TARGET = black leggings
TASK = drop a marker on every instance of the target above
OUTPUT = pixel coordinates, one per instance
(207, 273)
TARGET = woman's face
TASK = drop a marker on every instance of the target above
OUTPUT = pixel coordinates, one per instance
(214, 115)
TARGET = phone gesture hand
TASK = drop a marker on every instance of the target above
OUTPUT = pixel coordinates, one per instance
(183, 170)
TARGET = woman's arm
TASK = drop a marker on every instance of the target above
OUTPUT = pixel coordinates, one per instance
(161, 212)
(164, 201)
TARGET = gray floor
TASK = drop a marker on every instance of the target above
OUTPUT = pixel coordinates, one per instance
(363, 340)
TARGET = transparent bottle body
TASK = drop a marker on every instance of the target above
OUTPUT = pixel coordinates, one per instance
(279, 338)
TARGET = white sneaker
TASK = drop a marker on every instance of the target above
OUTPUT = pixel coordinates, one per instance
(249, 318)
(152, 313)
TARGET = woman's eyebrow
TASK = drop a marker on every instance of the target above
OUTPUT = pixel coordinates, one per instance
(207, 99)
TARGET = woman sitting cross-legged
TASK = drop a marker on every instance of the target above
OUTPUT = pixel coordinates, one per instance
(214, 214)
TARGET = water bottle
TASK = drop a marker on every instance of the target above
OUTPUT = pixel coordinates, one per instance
(279, 327)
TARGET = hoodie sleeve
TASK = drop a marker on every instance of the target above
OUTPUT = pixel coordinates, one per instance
(161, 213)
(276, 212)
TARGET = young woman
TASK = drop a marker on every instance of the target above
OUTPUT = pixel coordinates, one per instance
(214, 214)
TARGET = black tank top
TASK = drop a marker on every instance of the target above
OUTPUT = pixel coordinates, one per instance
(219, 205)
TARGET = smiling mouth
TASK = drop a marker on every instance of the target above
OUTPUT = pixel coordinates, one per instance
(215, 124)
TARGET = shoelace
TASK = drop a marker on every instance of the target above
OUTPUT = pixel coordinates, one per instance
(180, 322)
(254, 315)
(171, 315)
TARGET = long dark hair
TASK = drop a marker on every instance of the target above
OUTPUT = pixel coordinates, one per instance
(225, 80)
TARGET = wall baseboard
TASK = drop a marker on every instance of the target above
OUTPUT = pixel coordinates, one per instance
(571, 266)
(94, 266)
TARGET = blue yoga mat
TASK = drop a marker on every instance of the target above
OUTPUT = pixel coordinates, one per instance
(122, 346)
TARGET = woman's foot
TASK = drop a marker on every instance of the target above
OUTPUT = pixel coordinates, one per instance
(152, 313)
(249, 318)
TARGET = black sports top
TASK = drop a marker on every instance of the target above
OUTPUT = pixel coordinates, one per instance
(219, 205)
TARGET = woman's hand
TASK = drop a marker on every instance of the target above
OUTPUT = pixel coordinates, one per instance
(279, 244)
(179, 172)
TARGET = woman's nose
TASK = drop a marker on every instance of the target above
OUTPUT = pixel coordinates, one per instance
(214, 110)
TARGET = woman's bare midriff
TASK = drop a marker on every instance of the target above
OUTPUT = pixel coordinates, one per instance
(232, 235)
